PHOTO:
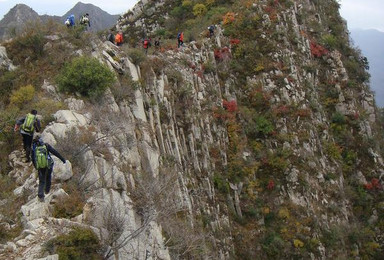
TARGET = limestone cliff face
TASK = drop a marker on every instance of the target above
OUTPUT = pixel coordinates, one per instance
(194, 159)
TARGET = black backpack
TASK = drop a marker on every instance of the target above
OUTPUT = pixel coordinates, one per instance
(111, 37)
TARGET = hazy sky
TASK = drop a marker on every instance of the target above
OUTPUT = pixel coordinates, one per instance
(364, 14)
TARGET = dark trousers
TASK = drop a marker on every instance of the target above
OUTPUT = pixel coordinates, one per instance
(27, 142)
(45, 175)
(179, 43)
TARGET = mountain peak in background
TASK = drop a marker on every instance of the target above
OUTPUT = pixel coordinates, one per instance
(21, 14)
(99, 18)
(13, 21)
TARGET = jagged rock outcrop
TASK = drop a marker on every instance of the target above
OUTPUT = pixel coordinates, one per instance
(5, 62)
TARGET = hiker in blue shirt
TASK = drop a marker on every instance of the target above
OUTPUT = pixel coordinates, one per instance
(43, 162)
(70, 22)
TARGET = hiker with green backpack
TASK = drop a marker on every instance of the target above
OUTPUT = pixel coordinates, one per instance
(43, 162)
(28, 125)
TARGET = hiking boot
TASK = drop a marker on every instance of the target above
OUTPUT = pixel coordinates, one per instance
(41, 199)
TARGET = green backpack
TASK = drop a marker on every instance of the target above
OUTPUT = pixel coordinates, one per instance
(41, 157)
(28, 125)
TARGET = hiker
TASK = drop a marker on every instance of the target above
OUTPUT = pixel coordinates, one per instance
(84, 21)
(146, 44)
(119, 38)
(111, 37)
(211, 30)
(43, 163)
(180, 39)
(157, 43)
(70, 22)
(27, 125)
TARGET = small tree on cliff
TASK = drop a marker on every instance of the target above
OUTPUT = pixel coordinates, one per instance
(86, 76)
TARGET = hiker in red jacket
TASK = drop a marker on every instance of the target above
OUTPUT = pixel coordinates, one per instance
(119, 38)
(180, 39)
(146, 44)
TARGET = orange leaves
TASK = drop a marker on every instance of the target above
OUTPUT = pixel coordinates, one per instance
(228, 18)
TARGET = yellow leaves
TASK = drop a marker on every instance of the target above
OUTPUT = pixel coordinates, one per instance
(259, 67)
(266, 210)
(298, 243)
(187, 3)
(22, 95)
(199, 10)
(210, 2)
(284, 213)
(253, 188)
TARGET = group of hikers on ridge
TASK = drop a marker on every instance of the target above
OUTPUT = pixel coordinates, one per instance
(84, 21)
(115, 39)
(37, 151)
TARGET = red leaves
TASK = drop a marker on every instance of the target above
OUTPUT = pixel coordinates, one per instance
(230, 106)
(373, 185)
(234, 41)
(222, 54)
(271, 185)
(229, 112)
(317, 50)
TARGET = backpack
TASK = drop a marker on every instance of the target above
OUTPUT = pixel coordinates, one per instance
(84, 20)
(41, 156)
(178, 36)
(146, 43)
(111, 37)
(67, 22)
(29, 122)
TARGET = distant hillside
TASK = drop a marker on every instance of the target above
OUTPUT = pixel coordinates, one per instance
(21, 14)
(371, 43)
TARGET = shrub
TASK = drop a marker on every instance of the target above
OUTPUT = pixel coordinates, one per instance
(329, 41)
(79, 243)
(8, 82)
(338, 118)
(263, 126)
(71, 206)
(273, 245)
(137, 56)
(199, 10)
(29, 44)
(22, 95)
(228, 18)
(317, 50)
(86, 76)
(230, 106)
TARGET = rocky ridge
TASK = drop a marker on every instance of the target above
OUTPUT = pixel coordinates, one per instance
(173, 120)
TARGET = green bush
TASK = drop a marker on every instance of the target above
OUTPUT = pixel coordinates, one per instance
(78, 244)
(29, 44)
(86, 76)
(259, 127)
(338, 118)
(137, 56)
(329, 41)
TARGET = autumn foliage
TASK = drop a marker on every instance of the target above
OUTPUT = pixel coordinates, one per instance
(317, 50)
